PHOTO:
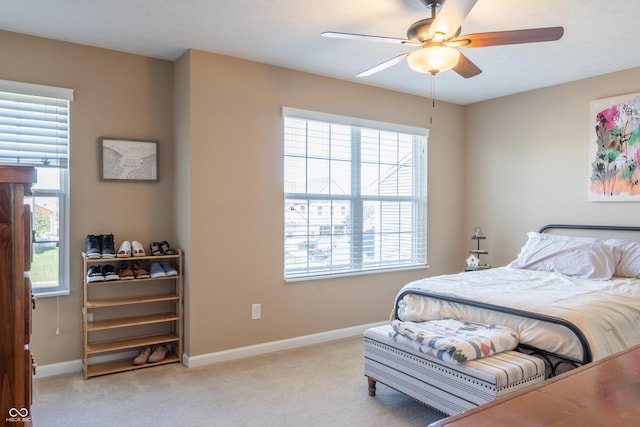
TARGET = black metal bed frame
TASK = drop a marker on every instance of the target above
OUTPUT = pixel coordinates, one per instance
(553, 360)
(548, 356)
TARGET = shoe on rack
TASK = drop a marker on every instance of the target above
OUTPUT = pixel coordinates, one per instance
(139, 272)
(109, 273)
(155, 249)
(108, 249)
(142, 358)
(137, 249)
(156, 270)
(124, 271)
(168, 269)
(94, 246)
(125, 249)
(166, 249)
(95, 274)
(158, 354)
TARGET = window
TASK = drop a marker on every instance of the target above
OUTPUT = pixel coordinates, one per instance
(34, 130)
(355, 195)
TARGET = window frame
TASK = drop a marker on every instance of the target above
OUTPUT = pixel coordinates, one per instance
(417, 198)
(62, 193)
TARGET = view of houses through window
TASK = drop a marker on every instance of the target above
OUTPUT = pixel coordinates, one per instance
(354, 198)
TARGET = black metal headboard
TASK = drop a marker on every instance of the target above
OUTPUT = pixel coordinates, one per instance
(588, 227)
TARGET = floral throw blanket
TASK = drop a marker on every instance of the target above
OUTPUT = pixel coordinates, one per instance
(454, 341)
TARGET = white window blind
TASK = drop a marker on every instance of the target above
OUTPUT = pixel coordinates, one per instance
(355, 195)
(34, 125)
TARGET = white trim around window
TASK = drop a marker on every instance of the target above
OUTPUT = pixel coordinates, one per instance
(354, 195)
(34, 130)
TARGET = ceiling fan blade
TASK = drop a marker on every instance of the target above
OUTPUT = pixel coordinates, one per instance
(450, 17)
(365, 37)
(384, 65)
(466, 68)
(500, 38)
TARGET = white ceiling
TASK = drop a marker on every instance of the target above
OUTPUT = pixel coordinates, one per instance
(599, 37)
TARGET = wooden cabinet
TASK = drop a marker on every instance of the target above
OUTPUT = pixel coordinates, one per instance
(16, 361)
(122, 317)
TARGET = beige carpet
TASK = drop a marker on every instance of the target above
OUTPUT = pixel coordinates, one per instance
(320, 385)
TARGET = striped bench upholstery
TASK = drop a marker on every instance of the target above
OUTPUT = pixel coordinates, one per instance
(449, 388)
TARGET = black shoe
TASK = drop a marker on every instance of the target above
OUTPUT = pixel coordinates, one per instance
(155, 249)
(109, 273)
(166, 248)
(108, 248)
(95, 274)
(94, 246)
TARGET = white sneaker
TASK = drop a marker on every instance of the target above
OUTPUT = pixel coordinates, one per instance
(125, 249)
(137, 249)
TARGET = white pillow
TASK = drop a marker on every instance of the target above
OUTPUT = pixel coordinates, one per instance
(534, 237)
(629, 265)
(584, 258)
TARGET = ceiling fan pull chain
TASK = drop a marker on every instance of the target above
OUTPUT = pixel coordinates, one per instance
(433, 100)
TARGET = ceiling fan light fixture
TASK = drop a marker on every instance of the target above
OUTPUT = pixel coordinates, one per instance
(433, 59)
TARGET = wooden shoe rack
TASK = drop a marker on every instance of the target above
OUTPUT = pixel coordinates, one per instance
(120, 318)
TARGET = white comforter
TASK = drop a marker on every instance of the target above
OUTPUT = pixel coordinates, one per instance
(607, 312)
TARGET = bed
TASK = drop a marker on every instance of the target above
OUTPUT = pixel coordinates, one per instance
(572, 299)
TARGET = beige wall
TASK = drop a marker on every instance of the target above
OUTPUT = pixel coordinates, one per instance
(236, 181)
(119, 95)
(527, 163)
(220, 189)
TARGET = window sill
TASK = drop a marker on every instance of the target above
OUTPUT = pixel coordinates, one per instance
(354, 273)
(46, 294)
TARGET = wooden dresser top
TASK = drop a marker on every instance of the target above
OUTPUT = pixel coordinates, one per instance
(606, 392)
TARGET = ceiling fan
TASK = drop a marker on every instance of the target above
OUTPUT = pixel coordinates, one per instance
(438, 39)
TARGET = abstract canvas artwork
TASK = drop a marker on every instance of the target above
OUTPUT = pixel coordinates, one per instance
(615, 149)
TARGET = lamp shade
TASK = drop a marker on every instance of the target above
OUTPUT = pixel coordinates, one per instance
(433, 59)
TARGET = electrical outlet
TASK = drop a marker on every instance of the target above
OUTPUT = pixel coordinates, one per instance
(89, 317)
(256, 311)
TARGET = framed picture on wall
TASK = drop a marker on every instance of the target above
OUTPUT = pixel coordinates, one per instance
(615, 149)
(128, 159)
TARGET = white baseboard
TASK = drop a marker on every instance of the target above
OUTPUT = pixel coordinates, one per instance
(270, 347)
(61, 368)
(73, 366)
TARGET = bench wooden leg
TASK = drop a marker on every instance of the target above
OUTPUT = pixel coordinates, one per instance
(372, 386)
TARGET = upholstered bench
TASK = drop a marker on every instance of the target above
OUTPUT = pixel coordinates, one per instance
(447, 387)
